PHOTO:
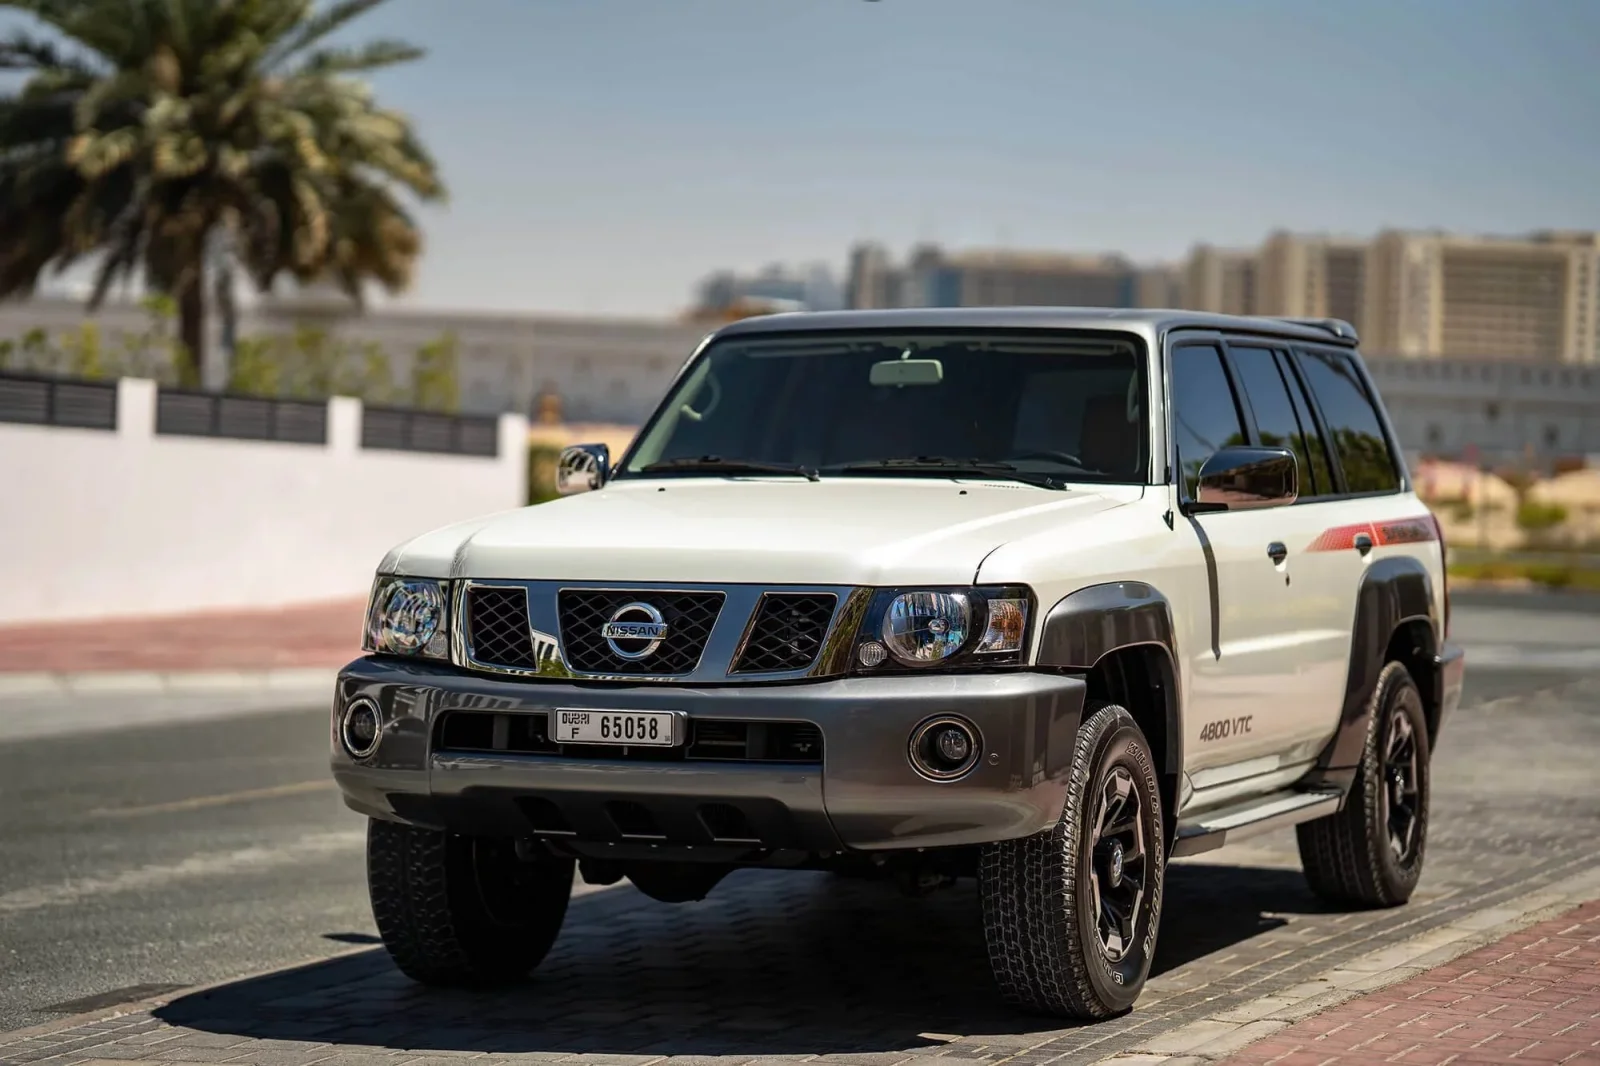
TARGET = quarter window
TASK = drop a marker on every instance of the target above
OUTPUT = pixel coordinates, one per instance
(1277, 421)
(1205, 416)
(1352, 422)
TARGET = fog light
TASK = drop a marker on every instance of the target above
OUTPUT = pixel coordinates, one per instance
(945, 748)
(953, 743)
(359, 728)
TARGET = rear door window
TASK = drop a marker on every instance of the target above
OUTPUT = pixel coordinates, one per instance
(1278, 423)
(1353, 423)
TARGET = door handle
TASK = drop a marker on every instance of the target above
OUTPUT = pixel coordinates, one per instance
(1277, 552)
(1363, 543)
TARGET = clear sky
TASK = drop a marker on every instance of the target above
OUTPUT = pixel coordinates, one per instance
(603, 155)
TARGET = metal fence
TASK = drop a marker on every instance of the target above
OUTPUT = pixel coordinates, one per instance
(46, 401)
(180, 412)
(402, 429)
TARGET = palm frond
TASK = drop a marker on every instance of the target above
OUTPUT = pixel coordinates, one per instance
(374, 55)
(23, 51)
(109, 30)
(313, 29)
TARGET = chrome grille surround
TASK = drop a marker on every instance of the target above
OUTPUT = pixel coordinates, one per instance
(725, 645)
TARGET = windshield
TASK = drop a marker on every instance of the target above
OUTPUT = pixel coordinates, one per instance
(1058, 406)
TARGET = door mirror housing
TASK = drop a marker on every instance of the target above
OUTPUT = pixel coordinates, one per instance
(1247, 478)
(582, 468)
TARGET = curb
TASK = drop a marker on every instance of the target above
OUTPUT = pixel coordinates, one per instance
(40, 706)
(113, 683)
(1214, 1038)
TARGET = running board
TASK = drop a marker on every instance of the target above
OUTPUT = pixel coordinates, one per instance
(1260, 814)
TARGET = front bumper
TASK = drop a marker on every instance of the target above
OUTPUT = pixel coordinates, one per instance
(864, 795)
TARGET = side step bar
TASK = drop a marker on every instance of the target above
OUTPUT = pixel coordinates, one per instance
(1260, 814)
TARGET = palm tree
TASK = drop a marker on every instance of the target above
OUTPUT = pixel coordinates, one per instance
(152, 133)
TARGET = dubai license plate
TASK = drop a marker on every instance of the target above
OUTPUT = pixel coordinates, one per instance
(651, 729)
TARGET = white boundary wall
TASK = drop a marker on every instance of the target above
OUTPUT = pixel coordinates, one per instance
(99, 524)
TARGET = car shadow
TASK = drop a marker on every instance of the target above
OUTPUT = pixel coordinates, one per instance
(770, 964)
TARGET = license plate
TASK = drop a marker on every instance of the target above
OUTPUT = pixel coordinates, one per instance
(648, 729)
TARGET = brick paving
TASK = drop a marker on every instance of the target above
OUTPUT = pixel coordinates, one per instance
(313, 635)
(1533, 997)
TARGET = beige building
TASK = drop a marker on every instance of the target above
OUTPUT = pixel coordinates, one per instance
(1529, 299)
(1221, 280)
(1311, 277)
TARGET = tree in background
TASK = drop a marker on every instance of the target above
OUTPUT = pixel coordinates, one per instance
(311, 364)
(151, 133)
(84, 353)
(434, 385)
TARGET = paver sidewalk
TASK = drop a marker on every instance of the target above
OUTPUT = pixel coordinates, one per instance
(1533, 997)
(324, 635)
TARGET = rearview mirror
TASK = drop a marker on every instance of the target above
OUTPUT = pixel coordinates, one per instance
(907, 372)
(1246, 478)
(582, 468)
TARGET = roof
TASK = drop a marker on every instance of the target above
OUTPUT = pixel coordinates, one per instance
(1156, 321)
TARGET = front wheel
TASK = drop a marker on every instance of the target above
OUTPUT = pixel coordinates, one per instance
(1070, 914)
(457, 910)
(1369, 854)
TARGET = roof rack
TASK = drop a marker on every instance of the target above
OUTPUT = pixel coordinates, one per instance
(1336, 326)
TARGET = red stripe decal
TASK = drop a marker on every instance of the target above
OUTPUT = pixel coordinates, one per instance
(1395, 531)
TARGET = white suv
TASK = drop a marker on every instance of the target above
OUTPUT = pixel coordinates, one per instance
(1036, 596)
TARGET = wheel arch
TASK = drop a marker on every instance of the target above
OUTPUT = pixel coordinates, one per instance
(1121, 635)
(1395, 621)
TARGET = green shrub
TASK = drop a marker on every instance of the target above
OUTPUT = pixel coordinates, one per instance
(1535, 517)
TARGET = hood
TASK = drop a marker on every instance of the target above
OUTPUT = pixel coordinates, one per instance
(837, 531)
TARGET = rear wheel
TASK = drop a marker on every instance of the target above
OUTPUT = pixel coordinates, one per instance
(1370, 853)
(1071, 914)
(456, 910)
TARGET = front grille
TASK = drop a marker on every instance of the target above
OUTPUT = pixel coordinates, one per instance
(787, 633)
(710, 740)
(497, 627)
(689, 617)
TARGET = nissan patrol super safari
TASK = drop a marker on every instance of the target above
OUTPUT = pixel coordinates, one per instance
(1040, 597)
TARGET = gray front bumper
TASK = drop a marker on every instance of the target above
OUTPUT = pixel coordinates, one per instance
(865, 795)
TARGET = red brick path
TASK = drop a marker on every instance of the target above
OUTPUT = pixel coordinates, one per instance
(1533, 997)
(317, 635)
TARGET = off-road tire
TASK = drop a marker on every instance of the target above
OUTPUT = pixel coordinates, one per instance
(1347, 856)
(1038, 897)
(462, 911)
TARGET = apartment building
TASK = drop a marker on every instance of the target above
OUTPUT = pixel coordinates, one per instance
(1531, 299)
(1221, 280)
(1311, 277)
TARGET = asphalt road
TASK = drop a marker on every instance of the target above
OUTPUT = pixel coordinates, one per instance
(187, 853)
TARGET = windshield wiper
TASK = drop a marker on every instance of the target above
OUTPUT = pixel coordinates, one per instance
(939, 464)
(731, 466)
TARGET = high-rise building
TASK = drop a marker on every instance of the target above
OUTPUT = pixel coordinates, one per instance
(1531, 299)
(1221, 280)
(1159, 286)
(1311, 277)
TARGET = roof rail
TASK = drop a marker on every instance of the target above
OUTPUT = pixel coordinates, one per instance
(1336, 326)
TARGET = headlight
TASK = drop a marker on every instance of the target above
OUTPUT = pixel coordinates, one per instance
(925, 627)
(972, 627)
(407, 617)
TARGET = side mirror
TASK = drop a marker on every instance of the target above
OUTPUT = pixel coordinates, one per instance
(582, 468)
(1245, 478)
